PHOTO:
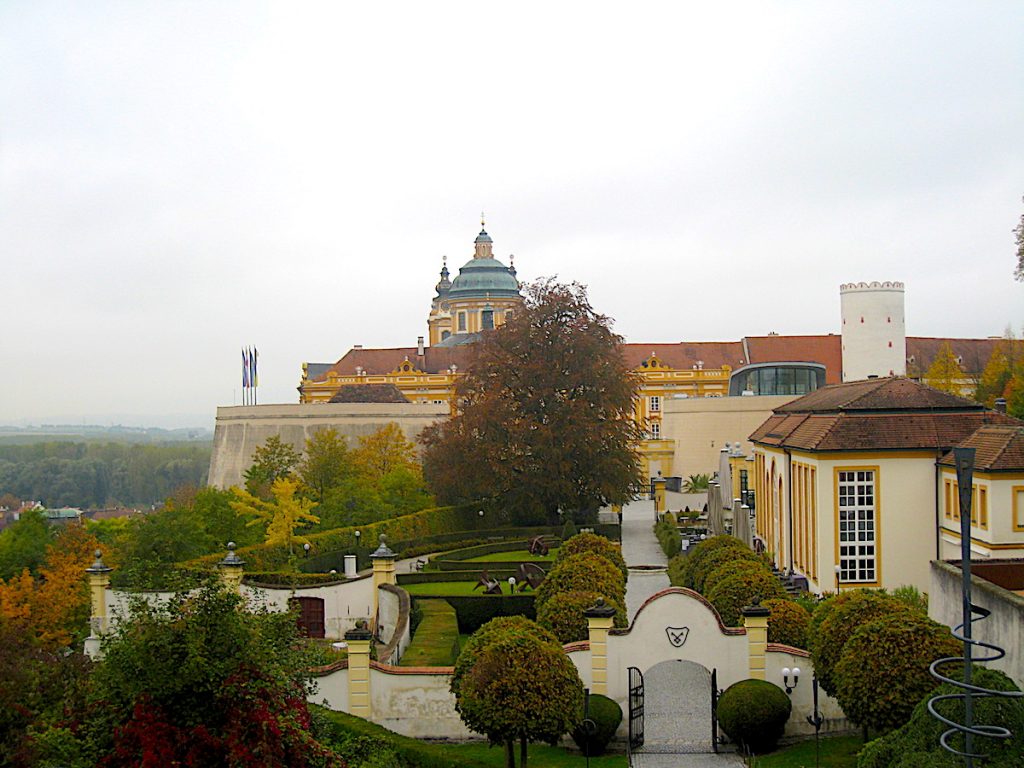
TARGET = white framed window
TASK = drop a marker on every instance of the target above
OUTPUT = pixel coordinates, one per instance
(462, 321)
(656, 430)
(655, 403)
(858, 526)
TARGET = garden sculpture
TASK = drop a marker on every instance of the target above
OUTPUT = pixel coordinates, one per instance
(529, 575)
(538, 547)
(491, 586)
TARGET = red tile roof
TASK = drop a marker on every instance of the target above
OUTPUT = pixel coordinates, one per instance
(827, 350)
(382, 361)
(997, 449)
(877, 414)
(686, 355)
(973, 353)
(888, 394)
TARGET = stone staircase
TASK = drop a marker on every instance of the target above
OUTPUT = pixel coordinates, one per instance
(794, 585)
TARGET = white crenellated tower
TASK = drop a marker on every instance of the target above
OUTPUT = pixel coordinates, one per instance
(874, 330)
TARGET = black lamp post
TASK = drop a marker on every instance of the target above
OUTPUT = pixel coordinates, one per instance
(305, 548)
(358, 535)
(816, 720)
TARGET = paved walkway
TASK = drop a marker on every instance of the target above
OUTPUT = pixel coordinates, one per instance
(640, 548)
(721, 760)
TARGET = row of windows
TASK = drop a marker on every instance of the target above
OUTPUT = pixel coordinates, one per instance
(486, 319)
(805, 519)
(777, 381)
(979, 503)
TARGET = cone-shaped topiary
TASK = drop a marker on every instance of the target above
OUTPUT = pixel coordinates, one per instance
(754, 714)
(788, 623)
(883, 671)
(591, 542)
(735, 585)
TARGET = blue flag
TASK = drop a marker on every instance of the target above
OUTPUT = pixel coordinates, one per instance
(245, 369)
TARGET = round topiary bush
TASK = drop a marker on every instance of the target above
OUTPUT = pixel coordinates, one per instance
(599, 545)
(788, 623)
(735, 585)
(883, 671)
(693, 558)
(835, 621)
(754, 713)
(500, 627)
(717, 558)
(585, 572)
(563, 615)
(607, 715)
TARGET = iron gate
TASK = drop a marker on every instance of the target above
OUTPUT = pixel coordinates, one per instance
(636, 708)
(714, 710)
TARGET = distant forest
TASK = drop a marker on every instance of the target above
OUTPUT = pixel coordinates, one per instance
(89, 475)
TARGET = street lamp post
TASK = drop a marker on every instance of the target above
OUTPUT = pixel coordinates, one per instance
(511, 585)
(358, 534)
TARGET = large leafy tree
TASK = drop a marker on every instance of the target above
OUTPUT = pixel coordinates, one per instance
(282, 515)
(327, 463)
(270, 461)
(545, 420)
(385, 451)
(23, 543)
(200, 680)
(513, 682)
(945, 373)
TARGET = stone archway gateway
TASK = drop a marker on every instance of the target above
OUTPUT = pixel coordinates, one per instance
(678, 699)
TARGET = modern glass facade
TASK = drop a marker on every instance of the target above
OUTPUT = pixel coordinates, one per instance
(777, 379)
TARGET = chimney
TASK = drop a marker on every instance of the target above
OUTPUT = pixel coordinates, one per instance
(419, 346)
(1000, 405)
(357, 346)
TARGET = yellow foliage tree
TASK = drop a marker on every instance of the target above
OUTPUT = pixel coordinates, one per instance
(384, 451)
(945, 373)
(282, 514)
(53, 607)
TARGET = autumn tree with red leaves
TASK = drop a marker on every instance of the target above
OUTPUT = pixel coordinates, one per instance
(545, 414)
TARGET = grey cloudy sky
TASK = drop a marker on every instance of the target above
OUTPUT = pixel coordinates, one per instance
(180, 179)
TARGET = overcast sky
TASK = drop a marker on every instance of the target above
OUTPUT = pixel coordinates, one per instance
(178, 180)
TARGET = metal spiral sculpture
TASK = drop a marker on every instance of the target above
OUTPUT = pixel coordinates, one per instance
(964, 458)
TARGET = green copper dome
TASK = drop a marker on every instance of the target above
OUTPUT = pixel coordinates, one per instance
(480, 278)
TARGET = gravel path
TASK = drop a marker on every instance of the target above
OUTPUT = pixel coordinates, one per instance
(640, 548)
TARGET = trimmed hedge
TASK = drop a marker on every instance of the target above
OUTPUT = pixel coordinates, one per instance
(693, 558)
(607, 715)
(414, 527)
(284, 579)
(599, 545)
(563, 615)
(788, 623)
(359, 740)
(917, 743)
(735, 585)
(835, 620)
(436, 641)
(883, 671)
(668, 536)
(438, 577)
(473, 611)
(754, 714)
(711, 561)
(586, 572)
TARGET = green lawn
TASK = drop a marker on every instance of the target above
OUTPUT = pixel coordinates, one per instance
(836, 752)
(539, 755)
(519, 555)
(445, 588)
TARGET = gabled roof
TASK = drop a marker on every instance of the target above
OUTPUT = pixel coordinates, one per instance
(997, 449)
(888, 394)
(876, 414)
